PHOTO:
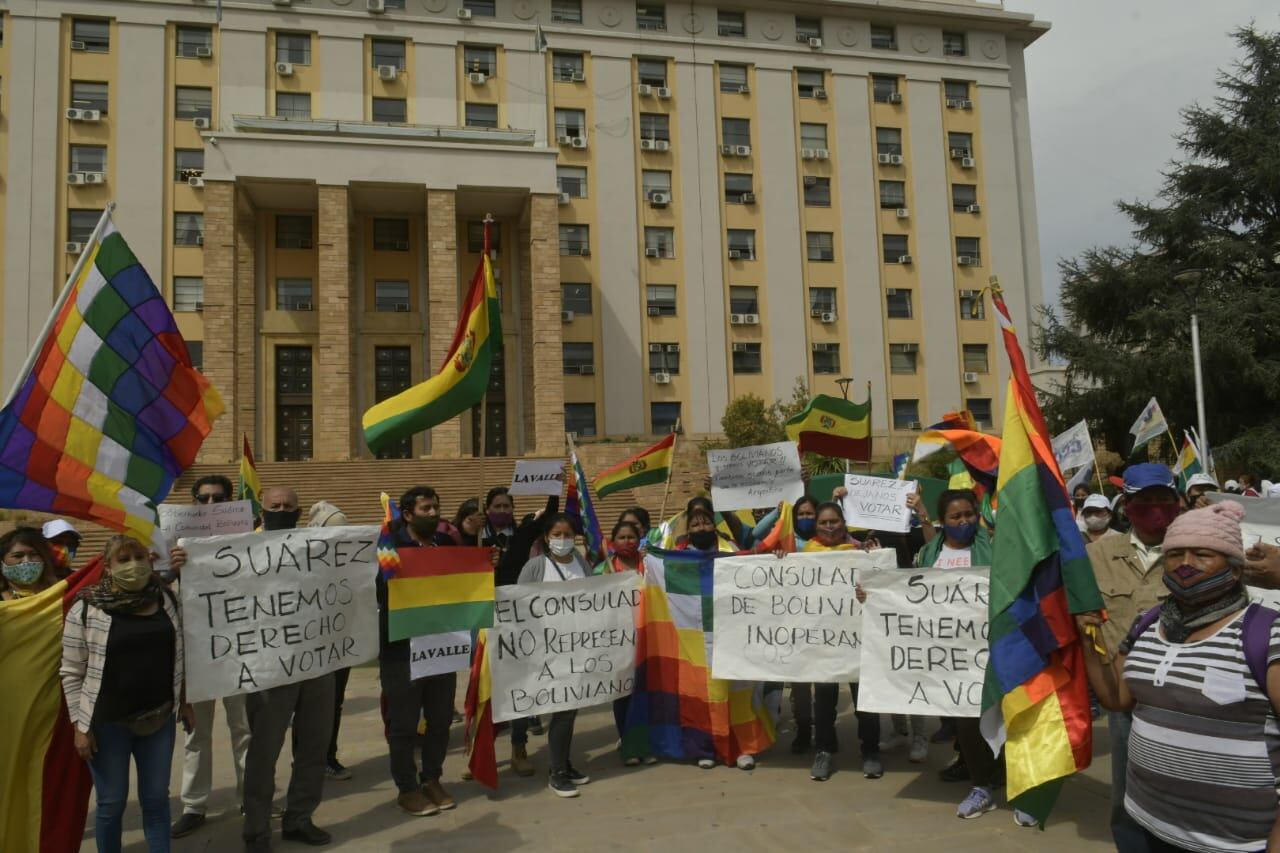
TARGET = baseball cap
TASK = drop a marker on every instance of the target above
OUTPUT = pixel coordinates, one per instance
(56, 528)
(1145, 476)
(1232, 486)
(1202, 480)
(1096, 501)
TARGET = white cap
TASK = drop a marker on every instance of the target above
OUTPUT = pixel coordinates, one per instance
(1232, 486)
(1096, 501)
(56, 528)
(1201, 479)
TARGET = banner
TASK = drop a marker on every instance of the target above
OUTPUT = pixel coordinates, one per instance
(1073, 448)
(538, 477)
(924, 642)
(1261, 522)
(178, 521)
(794, 618)
(265, 609)
(877, 503)
(437, 654)
(559, 646)
(755, 477)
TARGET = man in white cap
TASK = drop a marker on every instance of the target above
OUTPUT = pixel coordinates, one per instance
(66, 540)
(1096, 515)
(1197, 486)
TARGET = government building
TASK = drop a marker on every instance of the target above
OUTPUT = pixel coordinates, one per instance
(690, 203)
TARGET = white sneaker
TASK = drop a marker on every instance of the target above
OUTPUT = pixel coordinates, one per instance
(919, 749)
(1021, 818)
(746, 762)
(894, 741)
(707, 763)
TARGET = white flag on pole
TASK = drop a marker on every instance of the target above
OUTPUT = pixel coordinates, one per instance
(1074, 447)
(1148, 425)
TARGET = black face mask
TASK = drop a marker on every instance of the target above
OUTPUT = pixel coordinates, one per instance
(703, 540)
(424, 525)
(280, 519)
(1078, 503)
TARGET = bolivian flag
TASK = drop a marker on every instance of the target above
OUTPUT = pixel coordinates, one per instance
(649, 466)
(437, 590)
(833, 427)
(250, 485)
(463, 377)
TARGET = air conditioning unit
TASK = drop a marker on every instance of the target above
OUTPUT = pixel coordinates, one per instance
(903, 213)
(652, 253)
(85, 115)
(584, 252)
(815, 43)
(302, 306)
(662, 92)
(75, 178)
(376, 6)
(821, 154)
(578, 77)
(646, 144)
(659, 199)
(662, 378)
(967, 261)
(744, 89)
(751, 319)
(586, 369)
(644, 90)
(808, 154)
(464, 14)
(579, 142)
(970, 377)
(820, 93)
(77, 45)
(914, 425)
(566, 316)
(742, 150)
(748, 198)
(661, 145)
(968, 163)
(564, 140)
(200, 123)
(894, 98)
(673, 348)
(727, 150)
(284, 69)
(828, 317)
(72, 248)
(959, 104)
(905, 260)
(204, 52)
(95, 177)
(958, 153)
(564, 198)
(477, 78)
(739, 347)
(816, 312)
(735, 254)
(391, 72)
(824, 347)
(973, 208)
(195, 182)
(736, 320)
(654, 311)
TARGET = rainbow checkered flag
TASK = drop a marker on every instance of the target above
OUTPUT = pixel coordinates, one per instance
(108, 410)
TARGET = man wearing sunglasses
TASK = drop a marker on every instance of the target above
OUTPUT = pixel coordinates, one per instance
(213, 489)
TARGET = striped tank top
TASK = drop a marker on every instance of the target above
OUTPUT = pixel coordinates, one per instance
(1204, 751)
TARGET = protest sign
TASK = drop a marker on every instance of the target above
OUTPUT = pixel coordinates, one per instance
(559, 646)
(1073, 448)
(437, 654)
(264, 609)
(792, 618)
(1261, 522)
(538, 477)
(190, 520)
(877, 503)
(924, 642)
(755, 477)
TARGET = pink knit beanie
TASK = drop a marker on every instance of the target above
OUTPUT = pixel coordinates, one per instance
(1216, 527)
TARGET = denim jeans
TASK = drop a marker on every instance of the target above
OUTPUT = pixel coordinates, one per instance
(1128, 835)
(153, 755)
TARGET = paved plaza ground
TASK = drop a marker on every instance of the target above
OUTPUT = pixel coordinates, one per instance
(668, 807)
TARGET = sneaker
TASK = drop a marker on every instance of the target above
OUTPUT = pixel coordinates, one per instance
(467, 776)
(872, 768)
(803, 740)
(417, 804)
(746, 762)
(631, 762)
(335, 770)
(437, 794)
(577, 777)
(896, 740)
(650, 759)
(306, 832)
(956, 771)
(520, 763)
(919, 750)
(535, 726)
(561, 786)
(706, 763)
(1021, 818)
(822, 764)
(978, 803)
(187, 824)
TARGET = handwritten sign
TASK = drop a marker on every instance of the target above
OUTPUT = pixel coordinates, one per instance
(794, 618)
(437, 654)
(264, 609)
(538, 477)
(924, 642)
(755, 477)
(877, 503)
(194, 520)
(559, 646)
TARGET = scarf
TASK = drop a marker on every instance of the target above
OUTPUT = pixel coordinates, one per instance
(1178, 621)
(108, 597)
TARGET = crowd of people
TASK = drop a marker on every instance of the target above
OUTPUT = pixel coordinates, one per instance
(1182, 661)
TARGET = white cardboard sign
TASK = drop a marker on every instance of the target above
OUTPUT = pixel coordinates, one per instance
(178, 521)
(755, 477)
(877, 503)
(437, 654)
(538, 477)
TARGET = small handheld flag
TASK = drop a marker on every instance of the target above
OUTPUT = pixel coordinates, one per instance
(250, 488)
(1148, 425)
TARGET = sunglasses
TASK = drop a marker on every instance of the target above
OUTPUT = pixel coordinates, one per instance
(211, 499)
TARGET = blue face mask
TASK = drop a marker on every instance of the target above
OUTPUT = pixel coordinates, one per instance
(23, 574)
(962, 533)
(807, 527)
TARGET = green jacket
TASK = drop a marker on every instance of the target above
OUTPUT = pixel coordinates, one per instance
(979, 555)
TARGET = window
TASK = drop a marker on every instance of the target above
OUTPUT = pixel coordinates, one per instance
(89, 96)
(387, 52)
(744, 300)
(813, 135)
(893, 194)
(742, 241)
(393, 373)
(576, 356)
(661, 300)
(575, 298)
(191, 102)
(895, 247)
(665, 417)
(817, 191)
(393, 4)
(746, 358)
(80, 224)
(827, 359)
(972, 307)
(956, 90)
(655, 126)
(733, 78)
(195, 349)
(651, 16)
(971, 248)
(821, 245)
(906, 414)
(980, 408)
(889, 140)
(898, 303)
(568, 66)
(736, 185)
(883, 38)
(390, 235)
(664, 358)
(188, 163)
(822, 300)
(294, 294)
(963, 195)
(294, 421)
(293, 104)
(482, 115)
(392, 110)
(567, 12)
(391, 296)
(88, 158)
(961, 144)
(188, 293)
(810, 83)
(188, 229)
(655, 181)
(731, 24)
(294, 48)
(293, 232)
(902, 358)
(808, 28)
(954, 44)
(481, 8)
(193, 39)
(575, 240)
(483, 60)
(735, 131)
(571, 123)
(580, 419)
(652, 72)
(884, 89)
(975, 358)
(89, 35)
(572, 180)
(475, 238)
(661, 239)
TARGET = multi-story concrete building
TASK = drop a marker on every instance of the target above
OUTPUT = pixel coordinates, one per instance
(692, 202)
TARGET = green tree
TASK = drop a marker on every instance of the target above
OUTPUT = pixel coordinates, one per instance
(1209, 244)
(748, 420)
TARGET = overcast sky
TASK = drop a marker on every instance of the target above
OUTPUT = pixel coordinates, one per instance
(1106, 85)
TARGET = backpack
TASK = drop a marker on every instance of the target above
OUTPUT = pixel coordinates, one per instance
(1255, 634)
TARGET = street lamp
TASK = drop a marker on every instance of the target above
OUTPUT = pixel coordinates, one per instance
(844, 382)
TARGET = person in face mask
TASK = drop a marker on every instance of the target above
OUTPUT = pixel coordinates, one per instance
(280, 510)
(1096, 515)
(1202, 662)
(122, 677)
(1198, 486)
(64, 541)
(1078, 497)
(27, 563)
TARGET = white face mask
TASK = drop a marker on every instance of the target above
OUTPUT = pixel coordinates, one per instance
(1097, 523)
(560, 547)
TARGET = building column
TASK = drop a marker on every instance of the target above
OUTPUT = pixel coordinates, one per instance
(333, 402)
(442, 303)
(542, 348)
(219, 316)
(245, 313)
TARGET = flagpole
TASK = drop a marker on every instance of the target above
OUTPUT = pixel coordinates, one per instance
(485, 262)
(666, 490)
(1195, 356)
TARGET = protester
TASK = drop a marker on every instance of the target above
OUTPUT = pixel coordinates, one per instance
(1123, 567)
(197, 745)
(470, 523)
(638, 515)
(1119, 520)
(122, 677)
(1096, 515)
(325, 514)
(65, 541)
(1231, 487)
(700, 530)
(1199, 485)
(27, 564)
(1248, 486)
(1078, 496)
(499, 517)
(561, 562)
(1198, 675)
(514, 550)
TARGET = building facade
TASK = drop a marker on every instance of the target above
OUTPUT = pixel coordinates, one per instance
(690, 202)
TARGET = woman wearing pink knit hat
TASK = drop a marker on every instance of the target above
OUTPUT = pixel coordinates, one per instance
(1197, 673)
